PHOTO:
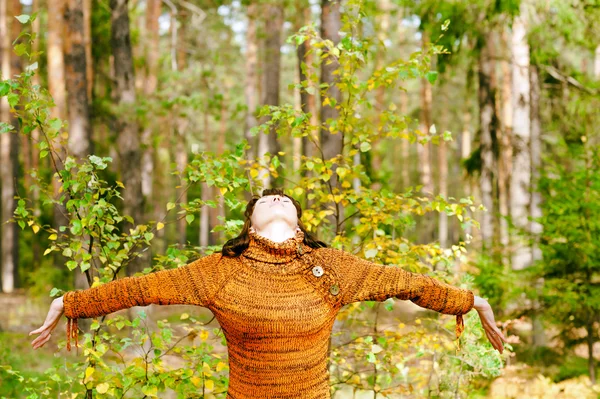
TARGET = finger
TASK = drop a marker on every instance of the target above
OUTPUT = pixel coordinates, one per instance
(42, 336)
(43, 342)
(38, 330)
(495, 340)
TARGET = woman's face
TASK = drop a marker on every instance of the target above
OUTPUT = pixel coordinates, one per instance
(273, 208)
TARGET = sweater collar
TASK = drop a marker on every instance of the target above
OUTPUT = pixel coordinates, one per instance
(265, 250)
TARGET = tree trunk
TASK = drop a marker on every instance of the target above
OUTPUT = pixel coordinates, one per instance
(56, 63)
(128, 140)
(597, 63)
(251, 84)
(443, 174)
(424, 150)
(150, 86)
(487, 123)
(331, 144)
(206, 212)
(505, 156)
(87, 43)
(58, 90)
(465, 151)
(591, 340)
(271, 78)
(405, 144)
(80, 135)
(521, 177)
(8, 155)
(80, 143)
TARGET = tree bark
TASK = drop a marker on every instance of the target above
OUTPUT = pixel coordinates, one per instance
(128, 140)
(505, 156)
(443, 176)
(521, 177)
(597, 63)
(80, 129)
(271, 81)
(251, 84)
(424, 150)
(487, 124)
(331, 144)
(9, 150)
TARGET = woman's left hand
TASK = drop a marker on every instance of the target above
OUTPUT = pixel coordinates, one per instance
(486, 314)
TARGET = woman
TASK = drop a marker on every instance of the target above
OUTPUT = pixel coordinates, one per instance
(275, 291)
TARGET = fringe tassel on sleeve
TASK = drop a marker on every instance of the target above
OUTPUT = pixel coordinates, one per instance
(460, 327)
(72, 332)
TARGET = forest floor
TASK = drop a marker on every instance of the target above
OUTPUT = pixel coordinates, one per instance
(543, 378)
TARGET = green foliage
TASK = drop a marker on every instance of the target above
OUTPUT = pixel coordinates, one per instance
(93, 240)
(570, 265)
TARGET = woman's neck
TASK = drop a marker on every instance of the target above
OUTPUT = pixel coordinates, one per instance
(276, 231)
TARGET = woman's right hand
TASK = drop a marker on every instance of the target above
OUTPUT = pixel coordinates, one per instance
(52, 319)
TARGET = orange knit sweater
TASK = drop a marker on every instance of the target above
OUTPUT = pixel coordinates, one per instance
(276, 304)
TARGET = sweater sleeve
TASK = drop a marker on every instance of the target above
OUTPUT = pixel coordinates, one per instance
(192, 284)
(363, 280)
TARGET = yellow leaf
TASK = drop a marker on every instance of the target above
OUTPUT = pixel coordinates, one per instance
(326, 101)
(88, 374)
(102, 388)
(223, 190)
(197, 381)
(159, 226)
(52, 237)
(35, 228)
(46, 252)
(210, 384)
(221, 366)
(120, 184)
(184, 316)
(254, 173)
(203, 335)
(29, 223)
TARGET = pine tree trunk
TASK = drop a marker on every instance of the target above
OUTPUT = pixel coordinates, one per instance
(150, 86)
(487, 122)
(331, 144)
(80, 129)
(128, 140)
(521, 176)
(271, 81)
(251, 84)
(87, 43)
(424, 150)
(443, 176)
(8, 155)
(597, 63)
(505, 156)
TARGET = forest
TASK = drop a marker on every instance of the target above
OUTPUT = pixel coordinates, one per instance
(450, 138)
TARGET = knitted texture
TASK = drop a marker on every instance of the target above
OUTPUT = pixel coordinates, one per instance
(276, 304)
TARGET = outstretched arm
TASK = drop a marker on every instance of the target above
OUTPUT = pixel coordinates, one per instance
(191, 284)
(363, 280)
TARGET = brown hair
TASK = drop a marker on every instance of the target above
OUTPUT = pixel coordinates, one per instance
(237, 245)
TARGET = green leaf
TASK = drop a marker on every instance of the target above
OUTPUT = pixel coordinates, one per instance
(76, 227)
(23, 18)
(170, 206)
(431, 76)
(189, 218)
(371, 253)
(365, 146)
(4, 88)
